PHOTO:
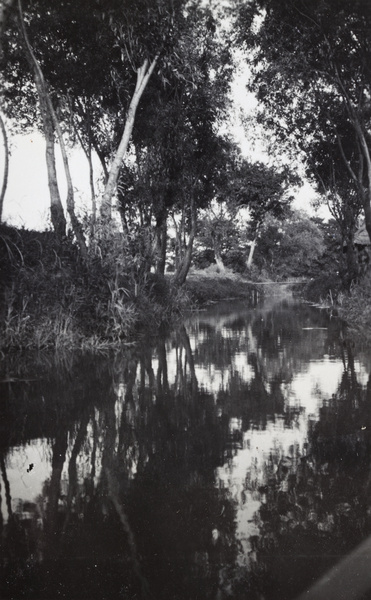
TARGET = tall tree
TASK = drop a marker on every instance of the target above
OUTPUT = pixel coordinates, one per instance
(103, 51)
(4, 184)
(179, 155)
(47, 111)
(311, 64)
(263, 190)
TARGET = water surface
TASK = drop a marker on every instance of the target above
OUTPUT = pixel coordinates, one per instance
(229, 458)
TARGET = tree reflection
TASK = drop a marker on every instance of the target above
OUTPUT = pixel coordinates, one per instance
(159, 484)
(315, 505)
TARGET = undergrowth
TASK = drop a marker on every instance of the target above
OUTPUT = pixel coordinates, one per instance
(209, 285)
(355, 308)
(49, 298)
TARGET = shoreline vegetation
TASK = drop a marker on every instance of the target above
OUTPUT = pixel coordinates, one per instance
(50, 299)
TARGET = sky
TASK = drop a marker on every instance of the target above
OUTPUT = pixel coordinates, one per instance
(26, 202)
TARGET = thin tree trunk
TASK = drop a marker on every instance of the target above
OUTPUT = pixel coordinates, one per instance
(8, 497)
(251, 253)
(161, 242)
(88, 154)
(143, 75)
(182, 271)
(56, 208)
(6, 166)
(76, 225)
(51, 123)
(218, 259)
(365, 194)
(367, 211)
(102, 160)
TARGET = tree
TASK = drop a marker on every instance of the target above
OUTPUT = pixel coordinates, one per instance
(178, 155)
(139, 32)
(6, 165)
(264, 191)
(47, 111)
(311, 72)
(219, 230)
(290, 247)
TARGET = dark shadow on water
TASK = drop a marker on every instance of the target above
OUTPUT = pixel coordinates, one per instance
(227, 459)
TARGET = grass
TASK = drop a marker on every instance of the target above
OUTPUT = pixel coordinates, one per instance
(355, 308)
(210, 285)
(68, 320)
(52, 300)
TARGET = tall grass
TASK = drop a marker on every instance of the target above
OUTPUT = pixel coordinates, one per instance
(53, 300)
(355, 308)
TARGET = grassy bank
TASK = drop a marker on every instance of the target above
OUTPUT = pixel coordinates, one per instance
(50, 299)
(355, 308)
(209, 285)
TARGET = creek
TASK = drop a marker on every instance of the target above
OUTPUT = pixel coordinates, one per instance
(227, 458)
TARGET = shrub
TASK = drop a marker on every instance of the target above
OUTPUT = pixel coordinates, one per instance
(235, 260)
(323, 288)
(203, 258)
(356, 307)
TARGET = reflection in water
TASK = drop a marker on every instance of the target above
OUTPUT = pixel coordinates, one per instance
(228, 459)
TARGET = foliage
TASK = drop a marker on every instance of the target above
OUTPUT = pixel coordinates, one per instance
(289, 248)
(356, 310)
(52, 299)
(328, 273)
(218, 230)
(211, 285)
(311, 73)
(260, 188)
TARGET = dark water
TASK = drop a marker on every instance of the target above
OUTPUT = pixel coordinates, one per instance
(230, 459)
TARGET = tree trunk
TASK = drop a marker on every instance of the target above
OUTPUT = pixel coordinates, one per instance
(76, 225)
(50, 115)
(352, 262)
(88, 153)
(219, 260)
(367, 211)
(251, 253)
(56, 208)
(102, 160)
(364, 175)
(143, 75)
(161, 243)
(6, 166)
(182, 271)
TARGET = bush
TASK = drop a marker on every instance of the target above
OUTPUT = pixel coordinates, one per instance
(50, 298)
(211, 286)
(235, 260)
(203, 258)
(356, 307)
(323, 288)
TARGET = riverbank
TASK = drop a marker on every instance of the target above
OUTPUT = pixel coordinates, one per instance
(68, 317)
(209, 285)
(50, 299)
(355, 309)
